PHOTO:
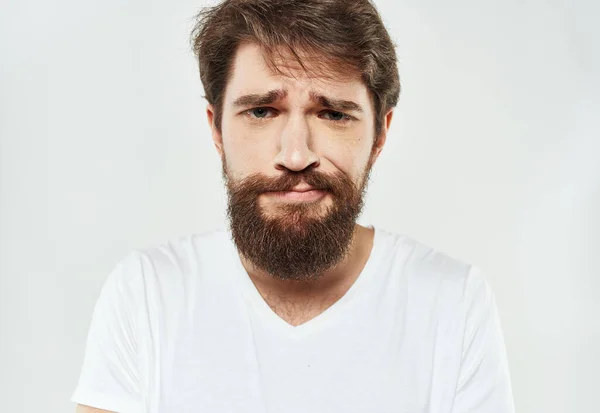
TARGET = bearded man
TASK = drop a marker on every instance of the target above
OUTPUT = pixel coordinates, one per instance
(295, 307)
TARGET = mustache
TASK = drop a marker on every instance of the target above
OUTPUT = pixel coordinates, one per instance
(258, 183)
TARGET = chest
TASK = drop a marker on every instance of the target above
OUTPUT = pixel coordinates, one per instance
(289, 380)
(375, 353)
(249, 367)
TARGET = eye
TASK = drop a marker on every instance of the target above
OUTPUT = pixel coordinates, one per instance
(337, 117)
(258, 113)
(261, 113)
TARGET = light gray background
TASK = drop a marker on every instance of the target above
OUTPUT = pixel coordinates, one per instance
(493, 157)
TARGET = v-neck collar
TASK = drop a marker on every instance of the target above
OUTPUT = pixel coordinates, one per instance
(253, 297)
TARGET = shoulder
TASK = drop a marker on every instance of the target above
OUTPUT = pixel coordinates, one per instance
(421, 260)
(186, 252)
(424, 268)
(170, 265)
(436, 289)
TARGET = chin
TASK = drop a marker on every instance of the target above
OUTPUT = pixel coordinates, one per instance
(293, 213)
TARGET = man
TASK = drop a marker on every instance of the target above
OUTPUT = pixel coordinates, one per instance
(295, 308)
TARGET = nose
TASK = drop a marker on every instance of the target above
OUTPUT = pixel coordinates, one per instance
(295, 143)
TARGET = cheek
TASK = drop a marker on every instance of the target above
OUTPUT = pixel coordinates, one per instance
(349, 154)
(245, 154)
(246, 135)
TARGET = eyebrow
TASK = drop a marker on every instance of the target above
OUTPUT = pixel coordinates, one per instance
(255, 99)
(272, 96)
(335, 104)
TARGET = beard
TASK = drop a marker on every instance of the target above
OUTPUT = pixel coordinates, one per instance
(296, 240)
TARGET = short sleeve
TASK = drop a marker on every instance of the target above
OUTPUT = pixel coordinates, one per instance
(109, 376)
(484, 384)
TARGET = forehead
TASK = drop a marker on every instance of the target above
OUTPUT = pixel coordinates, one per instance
(251, 74)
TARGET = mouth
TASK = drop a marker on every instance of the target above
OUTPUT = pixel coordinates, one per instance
(299, 194)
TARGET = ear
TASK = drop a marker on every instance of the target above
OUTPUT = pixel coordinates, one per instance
(378, 147)
(216, 135)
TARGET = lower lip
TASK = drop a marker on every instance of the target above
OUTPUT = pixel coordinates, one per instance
(312, 195)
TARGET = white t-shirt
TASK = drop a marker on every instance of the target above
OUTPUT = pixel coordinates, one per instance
(181, 328)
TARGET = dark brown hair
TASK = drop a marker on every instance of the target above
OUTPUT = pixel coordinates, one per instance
(340, 38)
